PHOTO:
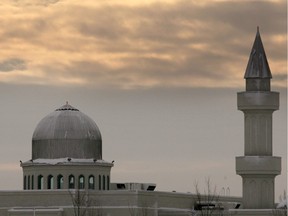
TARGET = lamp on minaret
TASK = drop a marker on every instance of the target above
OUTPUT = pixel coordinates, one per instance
(258, 167)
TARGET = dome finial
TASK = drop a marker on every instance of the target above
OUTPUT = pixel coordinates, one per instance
(67, 106)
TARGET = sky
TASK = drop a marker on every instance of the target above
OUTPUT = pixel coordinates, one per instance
(159, 78)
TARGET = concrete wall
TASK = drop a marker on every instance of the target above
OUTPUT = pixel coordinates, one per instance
(34, 212)
(258, 212)
(112, 203)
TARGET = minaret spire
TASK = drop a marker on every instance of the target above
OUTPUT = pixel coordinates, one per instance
(258, 66)
(258, 72)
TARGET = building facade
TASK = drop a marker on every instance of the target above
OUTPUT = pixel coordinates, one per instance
(68, 176)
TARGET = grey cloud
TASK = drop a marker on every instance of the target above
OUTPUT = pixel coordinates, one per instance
(92, 72)
(282, 77)
(166, 71)
(160, 25)
(27, 29)
(136, 70)
(99, 23)
(12, 64)
(217, 23)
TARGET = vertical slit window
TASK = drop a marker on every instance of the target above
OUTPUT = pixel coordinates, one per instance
(24, 183)
(99, 182)
(40, 182)
(108, 183)
(28, 187)
(32, 182)
(103, 182)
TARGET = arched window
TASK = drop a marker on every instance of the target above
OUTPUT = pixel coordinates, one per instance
(50, 181)
(100, 182)
(103, 182)
(28, 187)
(40, 182)
(24, 183)
(91, 182)
(81, 183)
(108, 182)
(71, 182)
(60, 181)
(32, 182)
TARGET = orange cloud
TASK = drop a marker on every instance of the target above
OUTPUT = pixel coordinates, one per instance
(138, 44)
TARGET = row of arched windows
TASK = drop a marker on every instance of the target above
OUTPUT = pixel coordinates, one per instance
(103, 182)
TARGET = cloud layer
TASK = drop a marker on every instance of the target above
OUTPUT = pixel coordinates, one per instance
(138, 45)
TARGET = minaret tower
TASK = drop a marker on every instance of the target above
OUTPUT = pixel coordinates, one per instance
(258, 167)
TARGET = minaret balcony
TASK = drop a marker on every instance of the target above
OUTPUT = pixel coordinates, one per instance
(258, 100)
(258, 165)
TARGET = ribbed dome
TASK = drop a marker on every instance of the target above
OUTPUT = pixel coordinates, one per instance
(66, 132)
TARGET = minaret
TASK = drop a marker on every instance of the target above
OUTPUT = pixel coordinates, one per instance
(258, 167)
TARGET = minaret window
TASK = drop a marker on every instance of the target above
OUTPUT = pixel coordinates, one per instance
(81, 184)
(40, 182)
(60, 181)
(71, 182)
(50, 182)
(108, 182)
(91, 182)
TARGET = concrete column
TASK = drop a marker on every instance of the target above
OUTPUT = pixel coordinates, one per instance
(258, 132)
(258, 167)
(258, 173)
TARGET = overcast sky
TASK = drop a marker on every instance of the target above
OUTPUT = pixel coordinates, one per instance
(159, 78)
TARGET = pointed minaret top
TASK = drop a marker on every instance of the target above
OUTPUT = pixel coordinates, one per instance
(258, 66)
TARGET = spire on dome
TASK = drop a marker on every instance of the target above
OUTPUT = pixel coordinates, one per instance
(67, 106)
(258, 66)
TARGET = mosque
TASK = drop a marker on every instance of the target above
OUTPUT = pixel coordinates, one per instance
(67, 174)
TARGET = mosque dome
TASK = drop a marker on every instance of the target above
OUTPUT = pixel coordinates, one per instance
(66, 132)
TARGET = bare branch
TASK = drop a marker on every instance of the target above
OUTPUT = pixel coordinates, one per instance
(207, 203)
